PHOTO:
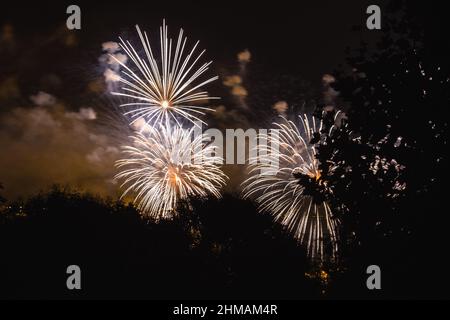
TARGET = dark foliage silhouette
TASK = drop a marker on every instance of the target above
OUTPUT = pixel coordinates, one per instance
(223, 248)
(388, 184)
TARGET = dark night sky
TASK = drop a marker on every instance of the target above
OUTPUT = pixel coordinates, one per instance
(307, 38)
(299, 39)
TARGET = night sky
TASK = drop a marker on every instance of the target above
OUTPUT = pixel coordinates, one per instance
(291, 45)
(305, 37)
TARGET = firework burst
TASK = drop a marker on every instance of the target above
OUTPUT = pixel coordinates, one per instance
(166, 91)
(278, 190)
(166, 165)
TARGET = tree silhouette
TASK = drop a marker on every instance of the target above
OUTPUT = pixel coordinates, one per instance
(383, 164)
(214, 249)
(2, 199)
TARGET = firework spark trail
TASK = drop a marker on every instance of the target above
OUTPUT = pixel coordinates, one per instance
(168, 165)
(166, 91)
(277, 189)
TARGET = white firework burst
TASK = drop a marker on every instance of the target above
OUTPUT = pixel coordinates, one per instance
(277, 189)
(166, 165)
(166, 91)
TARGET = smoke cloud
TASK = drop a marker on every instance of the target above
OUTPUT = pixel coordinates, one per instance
(46, 145)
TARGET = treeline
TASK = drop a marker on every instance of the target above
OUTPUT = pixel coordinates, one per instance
(212, 249)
